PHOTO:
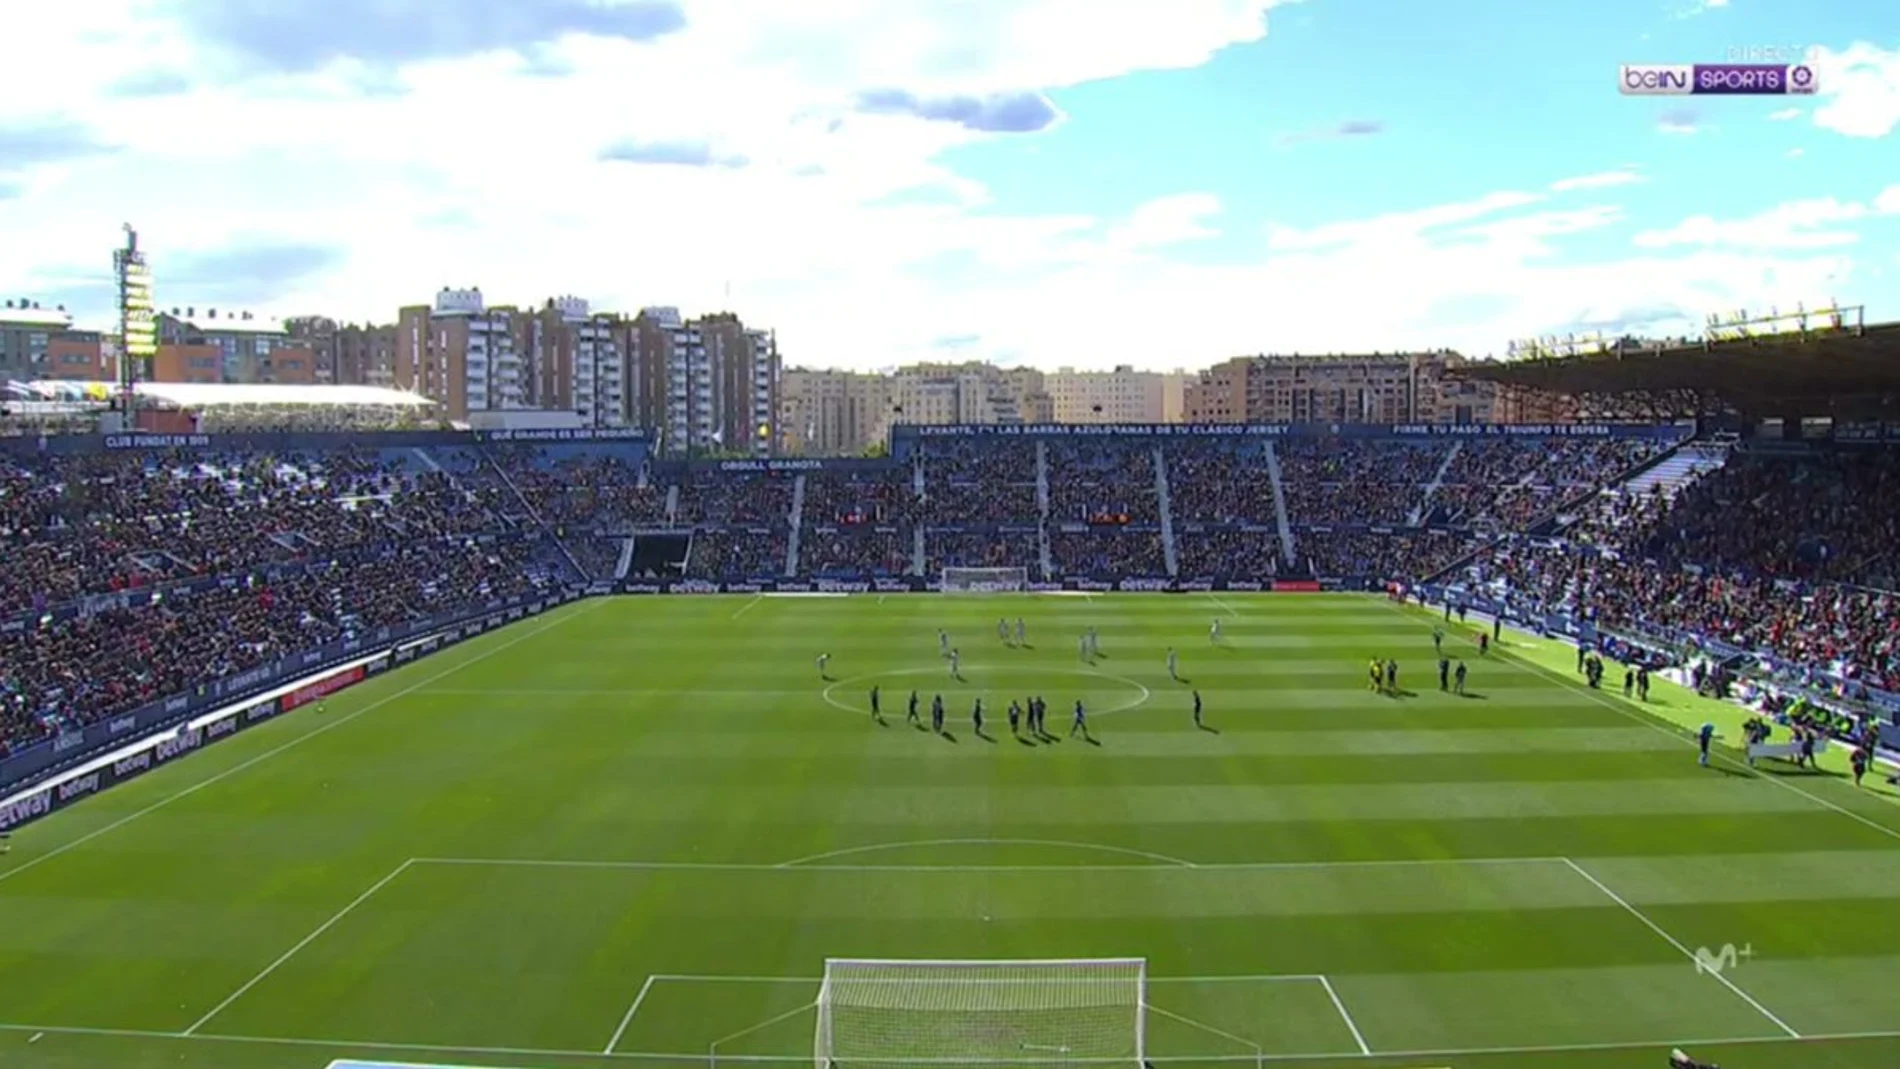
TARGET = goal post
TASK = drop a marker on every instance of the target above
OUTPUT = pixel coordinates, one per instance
(888, 1013)
(985, 580)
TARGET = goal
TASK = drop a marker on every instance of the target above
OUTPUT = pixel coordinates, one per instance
(878, 1013)
(985, 580)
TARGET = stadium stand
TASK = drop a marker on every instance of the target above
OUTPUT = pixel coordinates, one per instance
(134, 574)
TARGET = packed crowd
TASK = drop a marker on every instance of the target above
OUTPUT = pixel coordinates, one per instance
(884, 496)
(846, 551)
(1230, 553)
(1359, 553)
(1209, 484)
(1108, 551)
(1353, 481)
(738, 553)
(1744, 557)
(592, 489)
(973, 549)
(96, 665)
(1103, 481)
(1511, 482)
(991, 462)
(752, 499)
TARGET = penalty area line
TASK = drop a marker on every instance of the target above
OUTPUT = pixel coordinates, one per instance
(621, 1032)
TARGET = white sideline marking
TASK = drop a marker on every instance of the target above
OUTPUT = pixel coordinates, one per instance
(305, 737)
(1678, 734)
(741, 866)
(789, 1059)
(756, 598)
(1357, 1036)
(1672, 941)
(301, 943)
(1061, 843)
(1231, 611)
(628, 1019)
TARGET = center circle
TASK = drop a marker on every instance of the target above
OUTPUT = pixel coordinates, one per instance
(997, 685)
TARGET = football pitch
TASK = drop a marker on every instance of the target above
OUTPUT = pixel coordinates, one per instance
(632, 831)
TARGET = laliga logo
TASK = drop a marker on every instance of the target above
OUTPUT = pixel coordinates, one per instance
(1801, 79)
(1713, 963)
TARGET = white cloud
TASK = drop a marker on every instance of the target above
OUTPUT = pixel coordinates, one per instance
(1784, 115)
(1600, 180)
(845, 231)
(1167, 221)
(1861, 87)
(1795, 153)
(1679, 121)
(1796, 225)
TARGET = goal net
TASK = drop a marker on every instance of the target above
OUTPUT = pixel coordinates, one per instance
(875, 1013)
(984, 580)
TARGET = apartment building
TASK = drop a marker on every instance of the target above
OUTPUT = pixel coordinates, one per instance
(972, 392)
(1370, 388)
(834, 413)
(576, 361)
(709, 385)
(251, 349)
(26, 333)
(461, 354)
(1123, 395)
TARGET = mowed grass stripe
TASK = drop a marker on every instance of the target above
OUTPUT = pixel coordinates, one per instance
(668, 762)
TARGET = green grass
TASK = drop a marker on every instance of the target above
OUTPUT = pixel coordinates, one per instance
(485, 858)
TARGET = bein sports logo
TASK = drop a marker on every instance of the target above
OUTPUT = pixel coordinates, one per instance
(1715, 962)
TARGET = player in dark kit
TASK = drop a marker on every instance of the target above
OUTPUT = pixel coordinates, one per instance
(877, 713)
(1197, 709)
(1458, 679)
(936, 713)
(912, 718)
(1015, 717)
(1444, 673)
(976, 716)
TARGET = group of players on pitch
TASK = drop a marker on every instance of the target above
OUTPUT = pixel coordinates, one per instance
(1029, 716)
(1383, 676)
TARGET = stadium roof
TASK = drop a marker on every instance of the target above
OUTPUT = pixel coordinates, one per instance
(1852, 374)
(211, 394)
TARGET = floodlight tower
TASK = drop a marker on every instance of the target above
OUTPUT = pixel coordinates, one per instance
(138, 330)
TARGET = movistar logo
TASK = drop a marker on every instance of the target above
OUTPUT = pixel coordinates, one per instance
(1714, 962)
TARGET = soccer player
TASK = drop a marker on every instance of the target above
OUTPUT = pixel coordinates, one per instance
(1002, 631)
(1458, 679)
(912, 718)
(943, 643)
(1022, 633)
(1375, 673)
(976, 716)
(1197, 709)
(1174, 666)
(1035, 716)
(877, 713)
(1015, 717)
(1095, 644)
(1703, 738)
(1444, 673)
(1392, 675)
(824, 660)
(1213, 633)
(936, 713)
(956, 664)
(1438, 640)
(1081, 721)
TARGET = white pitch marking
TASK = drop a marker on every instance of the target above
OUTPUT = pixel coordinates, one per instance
(1672, 941)
(301, 943)
(628, 1019)
(789, 1059)
(1357, 1036)
(299, 740)
(1062, 843)
(756, 598)
(1680, 736)
(1217, 866)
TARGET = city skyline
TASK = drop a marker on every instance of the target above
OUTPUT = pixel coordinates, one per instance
(1038, 183)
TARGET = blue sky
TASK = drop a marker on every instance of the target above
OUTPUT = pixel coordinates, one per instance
(1063, 182)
